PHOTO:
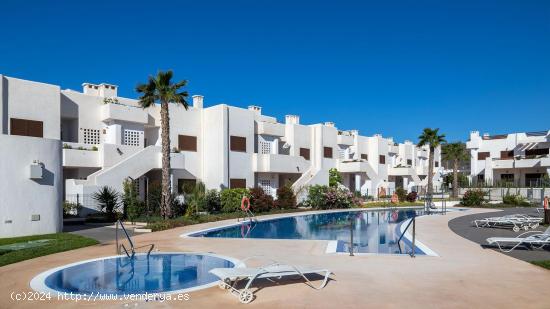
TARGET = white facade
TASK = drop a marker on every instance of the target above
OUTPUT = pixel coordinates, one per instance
(106, 139)
(521, 159)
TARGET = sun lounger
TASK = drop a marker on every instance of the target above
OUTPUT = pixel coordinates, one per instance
(229, 277)
(517, 222)
(536, 241)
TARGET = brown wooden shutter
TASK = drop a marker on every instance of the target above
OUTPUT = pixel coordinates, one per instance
(483, 155)
(304, 152)
(237, 183)
(327, 152)
(382, 159)
(187, 143)
(18, 127)
(25, 127)
(506, 155)
(365, 156)
(238, 143)
(35, 128)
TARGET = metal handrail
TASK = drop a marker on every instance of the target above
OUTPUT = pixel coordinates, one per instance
(413, 222)
(132, 247)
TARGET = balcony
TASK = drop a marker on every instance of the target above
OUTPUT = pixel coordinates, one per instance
(83, 157)
(522, 162)
(345, 139)
(119, 112)
(277, 163)
(401, 171)
(355, 166)
(270, 128)
(177, 160)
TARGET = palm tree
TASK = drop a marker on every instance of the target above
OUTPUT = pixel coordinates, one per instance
(455, 152)
(433, 139)
(160, 89)
(107, 199)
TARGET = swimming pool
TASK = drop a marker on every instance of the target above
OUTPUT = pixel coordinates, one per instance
(374, 231)
(121, 275)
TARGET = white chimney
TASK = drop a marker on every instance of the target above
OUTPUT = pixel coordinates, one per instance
(292, 119)
(198, 101)
(354, 132)
(255, 108)
(107, 90)
(90, 89)
(329, 124)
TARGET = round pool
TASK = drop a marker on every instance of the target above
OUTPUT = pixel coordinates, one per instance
(117, 275)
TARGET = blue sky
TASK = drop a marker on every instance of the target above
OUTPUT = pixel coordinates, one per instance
(390, 67)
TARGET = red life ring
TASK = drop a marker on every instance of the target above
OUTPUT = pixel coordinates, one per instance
(545, 202)
(247, 201)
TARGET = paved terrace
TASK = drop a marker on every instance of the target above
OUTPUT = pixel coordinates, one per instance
(464, 276)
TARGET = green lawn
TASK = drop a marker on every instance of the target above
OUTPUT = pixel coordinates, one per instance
(57, 243)
(545, 263)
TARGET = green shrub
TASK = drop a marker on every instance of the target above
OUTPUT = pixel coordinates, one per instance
(412, 196)
(231, 199)
(474, 197)
(67, 146)
(334, 177)
(213, 203)
(133, 207)
(286, 199)
(108, 201)
(94, 148)
(323, 197)
(401, 194)
(195, 200)
(71, 208)
(259, 201)
(515, 199)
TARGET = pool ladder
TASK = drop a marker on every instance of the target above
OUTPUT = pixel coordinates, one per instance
(120, 248)
(413, 222)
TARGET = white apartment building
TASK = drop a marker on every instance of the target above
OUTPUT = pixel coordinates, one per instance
(518, 158)
(95, 138)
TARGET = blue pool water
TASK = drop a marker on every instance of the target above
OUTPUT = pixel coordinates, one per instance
(373, 231)
(156, 273)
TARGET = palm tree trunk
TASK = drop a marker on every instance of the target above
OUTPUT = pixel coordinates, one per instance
(430, 172)
(455, 178)
(165, 203)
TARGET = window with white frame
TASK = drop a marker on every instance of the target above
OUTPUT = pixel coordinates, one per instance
(265, 184)
(90, 136)
(132, 137)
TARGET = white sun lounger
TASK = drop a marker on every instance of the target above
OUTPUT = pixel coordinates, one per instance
(229, 277)
(537, 241)
(517, 222)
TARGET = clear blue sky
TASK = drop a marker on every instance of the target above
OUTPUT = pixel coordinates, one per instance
(390, 67)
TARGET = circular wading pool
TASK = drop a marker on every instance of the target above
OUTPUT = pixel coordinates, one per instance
(117, 275)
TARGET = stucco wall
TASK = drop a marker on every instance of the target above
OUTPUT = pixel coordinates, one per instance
(22, 197)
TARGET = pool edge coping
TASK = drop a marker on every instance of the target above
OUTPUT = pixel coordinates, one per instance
(38, 282)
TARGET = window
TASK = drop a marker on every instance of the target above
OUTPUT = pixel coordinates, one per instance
(436, 164)
(265, 147)
(483, 155)
(187, 143)
(238, 143)
(186, 185)
(25, 127)
(304, 152)
(507, 177)
(409, 162)
(327, 152)
(365, 156)
(382, 159)
(533, 179)
(481, 177)
(132, 137)
(536, 152)
(265, 184)
(237, 183)
(506, 155)
(90, 136)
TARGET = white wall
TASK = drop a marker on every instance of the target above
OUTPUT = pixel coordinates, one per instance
(23, 197)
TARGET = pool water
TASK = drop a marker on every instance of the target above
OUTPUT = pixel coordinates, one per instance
(373, 231)
(155, 273)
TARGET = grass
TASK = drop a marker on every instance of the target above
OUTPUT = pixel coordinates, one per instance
(544, 263)
(59, 242)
